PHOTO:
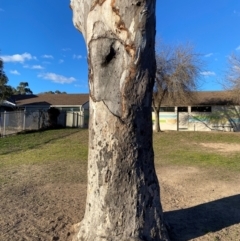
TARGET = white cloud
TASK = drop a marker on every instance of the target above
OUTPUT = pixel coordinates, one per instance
(14, 72)
(57, 78)
(77, 56)
(33, 66)
(47, 56)
(208, 55)
(60, 61)
(238, 48)
(208, 73)
(21, 58)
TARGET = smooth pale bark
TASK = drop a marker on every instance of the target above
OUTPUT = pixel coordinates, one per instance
(123, 197)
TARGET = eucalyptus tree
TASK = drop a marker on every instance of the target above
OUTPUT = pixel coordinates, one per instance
(123, 197)
(5, 90)
(23, 89)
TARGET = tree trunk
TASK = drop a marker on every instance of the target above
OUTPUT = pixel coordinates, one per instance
(157, 120)
(123, 197)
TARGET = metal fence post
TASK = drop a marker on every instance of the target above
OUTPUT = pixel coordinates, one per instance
(77, 120)
(4, 123)
(73, 116)
(24, 119)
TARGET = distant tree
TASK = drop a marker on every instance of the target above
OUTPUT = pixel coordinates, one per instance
(48, 92)
(54, 92)
(5, 90)
(59, 92)
(177, 74)
(23, 89)
(232, 80)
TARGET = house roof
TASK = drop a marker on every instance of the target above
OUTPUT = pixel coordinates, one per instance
(207, 98)
(216, 98)
(200, 98)
(50, 99)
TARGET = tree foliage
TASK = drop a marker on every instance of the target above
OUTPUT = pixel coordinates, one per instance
(23, 89)
(54, 92)
(177, 74)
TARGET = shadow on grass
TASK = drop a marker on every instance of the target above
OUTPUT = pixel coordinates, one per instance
(36, 144)
(190, 223)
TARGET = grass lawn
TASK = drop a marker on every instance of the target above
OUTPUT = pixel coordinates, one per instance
(63, 152)
(186, 148)
(50, 156)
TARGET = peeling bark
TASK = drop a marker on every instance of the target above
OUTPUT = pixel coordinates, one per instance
(123, 197)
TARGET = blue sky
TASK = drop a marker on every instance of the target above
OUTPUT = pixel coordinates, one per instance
(40, 45)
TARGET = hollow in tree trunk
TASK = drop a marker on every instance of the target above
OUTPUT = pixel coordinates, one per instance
(123, 197)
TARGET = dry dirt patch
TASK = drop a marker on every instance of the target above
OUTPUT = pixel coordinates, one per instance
(196, 205)
(221, 147)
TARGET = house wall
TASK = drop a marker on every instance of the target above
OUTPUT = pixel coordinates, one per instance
(33, 108)
(168, 120)
(221, 118)
(70, 115)
(16, 121)
(86, 106)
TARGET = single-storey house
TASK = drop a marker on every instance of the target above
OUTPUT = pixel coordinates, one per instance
(64, 102)
(31, 111)
(207, 111)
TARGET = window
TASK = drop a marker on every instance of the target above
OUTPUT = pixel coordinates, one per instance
(182, 109)
(201, 109)
(167, 109)
(69, 108)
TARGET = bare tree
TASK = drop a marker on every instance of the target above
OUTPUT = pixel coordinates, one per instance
(231, 83)
(176, 77)
(123, 197)
(232, 80)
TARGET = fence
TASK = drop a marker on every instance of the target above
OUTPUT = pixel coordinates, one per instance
(16, 121)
